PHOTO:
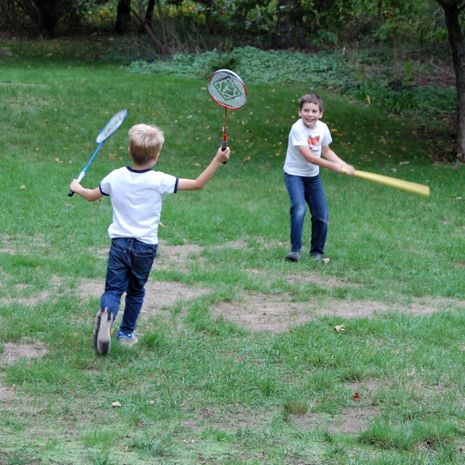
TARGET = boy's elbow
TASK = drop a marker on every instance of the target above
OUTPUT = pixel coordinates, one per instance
(198, 185)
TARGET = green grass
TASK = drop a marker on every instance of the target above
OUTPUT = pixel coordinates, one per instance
(201, 389)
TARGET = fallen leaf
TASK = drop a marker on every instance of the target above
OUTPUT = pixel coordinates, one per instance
(356, 396)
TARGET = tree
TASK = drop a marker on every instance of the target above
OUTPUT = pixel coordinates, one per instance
(123, 16)
(45, 14)
(452, 11)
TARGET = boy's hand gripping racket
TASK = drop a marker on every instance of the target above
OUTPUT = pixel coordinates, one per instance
(110, 128)
(228, 90)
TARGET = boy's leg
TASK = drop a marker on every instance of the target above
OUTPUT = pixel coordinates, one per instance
(118, 269)
(115, 285)
(298, 209)
(142, 257)
(316, 199)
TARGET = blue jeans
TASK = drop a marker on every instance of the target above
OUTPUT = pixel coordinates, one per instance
(129, 265)
(309, 191)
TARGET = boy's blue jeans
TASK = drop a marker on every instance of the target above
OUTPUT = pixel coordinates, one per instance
(129, 265)
(309, 191)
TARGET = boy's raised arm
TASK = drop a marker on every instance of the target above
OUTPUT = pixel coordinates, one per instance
(220, 158)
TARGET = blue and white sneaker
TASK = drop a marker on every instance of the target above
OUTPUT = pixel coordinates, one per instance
(102, 332)
(127, 339)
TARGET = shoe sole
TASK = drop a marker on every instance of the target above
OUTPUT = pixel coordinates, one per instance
(102, 334)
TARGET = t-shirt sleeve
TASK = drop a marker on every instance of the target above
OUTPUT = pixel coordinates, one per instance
(105, 185)
(297, 137)
(326, 138)
(167, 183)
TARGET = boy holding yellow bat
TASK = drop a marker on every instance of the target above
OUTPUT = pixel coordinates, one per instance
(308, 150)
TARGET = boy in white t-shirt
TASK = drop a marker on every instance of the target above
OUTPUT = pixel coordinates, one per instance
(136, 198)
(308, 150)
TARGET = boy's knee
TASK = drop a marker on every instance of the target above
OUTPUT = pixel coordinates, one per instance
(299, 210)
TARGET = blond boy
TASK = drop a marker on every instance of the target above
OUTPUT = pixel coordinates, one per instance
(136, 198)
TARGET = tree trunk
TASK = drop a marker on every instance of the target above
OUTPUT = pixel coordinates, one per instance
(149, 11)
(123, 16)
(452, 12)
(160, 45)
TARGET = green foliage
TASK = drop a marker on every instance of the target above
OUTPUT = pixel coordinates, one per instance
(364, 75)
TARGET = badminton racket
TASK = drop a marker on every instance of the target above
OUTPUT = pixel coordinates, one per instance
(228, 90)
(110, 128)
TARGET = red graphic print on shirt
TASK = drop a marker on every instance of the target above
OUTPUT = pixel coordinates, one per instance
(313, 140)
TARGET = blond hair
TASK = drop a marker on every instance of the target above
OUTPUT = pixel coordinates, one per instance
(145, 143)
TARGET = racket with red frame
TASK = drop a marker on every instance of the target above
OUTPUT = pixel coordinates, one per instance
(228, 90)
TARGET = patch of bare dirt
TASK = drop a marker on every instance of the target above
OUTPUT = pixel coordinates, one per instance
(99, 252)
(30, 301)
(7, 393)
(12, 352)
(349, 421)
(174, 256)
(16, 351)
(22, 244)
(24, 294)
(352, 420)
(305, 278)
(278, 313)
(231, 420)
(365, 389)
(158, 294)
(171, 255)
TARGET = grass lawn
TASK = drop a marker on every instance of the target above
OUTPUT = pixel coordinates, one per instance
(243, 358)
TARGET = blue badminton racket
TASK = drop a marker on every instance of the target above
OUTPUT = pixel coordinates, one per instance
(110, 128)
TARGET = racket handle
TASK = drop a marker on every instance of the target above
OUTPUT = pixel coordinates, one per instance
(82, 173)
(224, 145)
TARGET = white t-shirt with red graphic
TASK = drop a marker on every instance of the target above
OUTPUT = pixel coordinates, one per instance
(301, 135)
(136, 200)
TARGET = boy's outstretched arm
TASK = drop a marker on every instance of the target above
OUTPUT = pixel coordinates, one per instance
(221, 157)
(89, 194)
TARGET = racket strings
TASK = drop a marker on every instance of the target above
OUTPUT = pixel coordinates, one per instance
(112, 126)
(228, 90)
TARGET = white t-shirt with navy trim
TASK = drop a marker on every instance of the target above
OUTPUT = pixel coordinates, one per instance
(301, 135)
(136, 200)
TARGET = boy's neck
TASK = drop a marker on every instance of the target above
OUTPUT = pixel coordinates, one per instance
(145, 166)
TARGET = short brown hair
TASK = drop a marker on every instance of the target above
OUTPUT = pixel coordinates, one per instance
(145, 143)
(311, 98)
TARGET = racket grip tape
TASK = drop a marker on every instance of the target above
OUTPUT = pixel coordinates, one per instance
(224, 145)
